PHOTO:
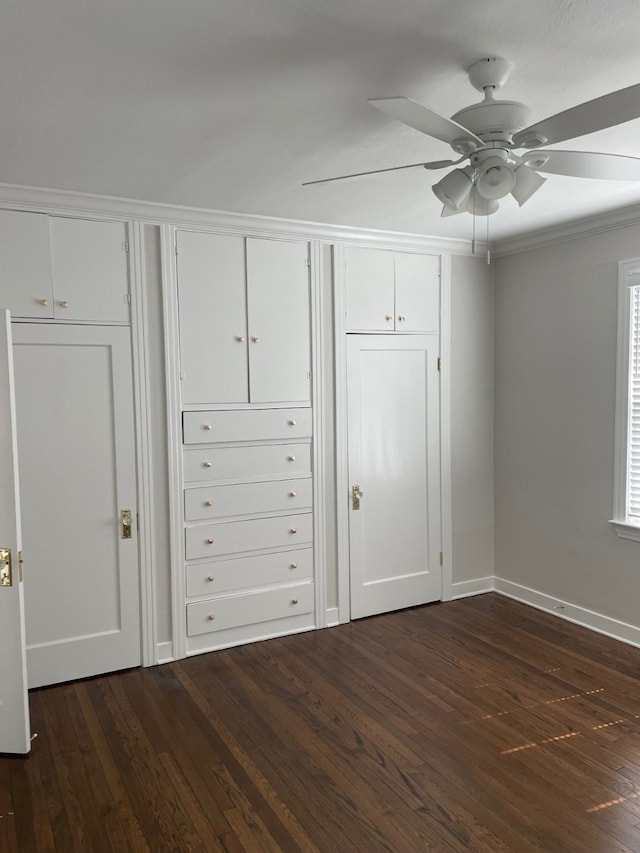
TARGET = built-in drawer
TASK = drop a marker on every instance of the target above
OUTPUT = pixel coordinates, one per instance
(246, 463)
(220, 576)
(248, 608)
(245, 425)
(254, 534)
(209, 502)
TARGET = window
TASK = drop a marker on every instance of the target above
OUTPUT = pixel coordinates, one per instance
(626, 510)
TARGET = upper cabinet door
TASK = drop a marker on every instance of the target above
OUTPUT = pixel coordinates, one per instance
(90, 270)
(212, 318)
(26, 287)
(417, 292)
(279, 321)
(369, 290)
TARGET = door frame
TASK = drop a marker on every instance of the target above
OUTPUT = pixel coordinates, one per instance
(341, 420)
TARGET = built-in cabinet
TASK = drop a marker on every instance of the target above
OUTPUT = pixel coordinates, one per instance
(390, 291)
(245, 381)
(244, 319)
(59, 268)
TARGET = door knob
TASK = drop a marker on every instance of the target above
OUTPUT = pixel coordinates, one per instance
(126, 522)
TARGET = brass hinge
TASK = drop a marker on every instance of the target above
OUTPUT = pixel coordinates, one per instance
(439, 363)
(441, 558)
(125, 246)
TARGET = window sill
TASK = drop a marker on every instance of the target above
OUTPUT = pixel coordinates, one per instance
(626, 531)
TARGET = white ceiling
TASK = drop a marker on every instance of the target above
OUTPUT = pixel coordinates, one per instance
(232, 104)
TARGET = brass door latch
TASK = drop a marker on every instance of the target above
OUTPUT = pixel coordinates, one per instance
(126, 522)
(356, 494)
(6, 578)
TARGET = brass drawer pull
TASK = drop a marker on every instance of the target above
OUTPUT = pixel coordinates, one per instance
(210, 578)
(292, 494)
(293, 565)
(208, 503)
(294, 600)
(206, 464)
(292, 423)
(210, 541)
(210, 617)
(291, 458)
(293, 530)
(207, 426)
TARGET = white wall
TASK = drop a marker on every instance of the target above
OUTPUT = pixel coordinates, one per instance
(555, 332)
(471, 422)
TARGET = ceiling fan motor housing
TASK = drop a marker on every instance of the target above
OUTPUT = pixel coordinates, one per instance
(494, 120)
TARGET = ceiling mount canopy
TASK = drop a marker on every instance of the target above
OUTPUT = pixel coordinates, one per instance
(486, 134)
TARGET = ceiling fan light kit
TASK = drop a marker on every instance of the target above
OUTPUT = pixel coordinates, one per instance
(487, 133)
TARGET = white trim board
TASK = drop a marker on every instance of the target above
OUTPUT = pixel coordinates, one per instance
(477, 586)
(67, 203)
(614, 628)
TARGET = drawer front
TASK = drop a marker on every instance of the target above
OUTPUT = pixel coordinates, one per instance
(234, 537)
(221, 576)
(249, 425)
(249, 462)
(210, 502)
(249, 608)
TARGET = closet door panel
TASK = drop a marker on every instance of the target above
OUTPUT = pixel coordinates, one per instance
(212, 318)
(369, 290)
(279, 335)
(417, 292)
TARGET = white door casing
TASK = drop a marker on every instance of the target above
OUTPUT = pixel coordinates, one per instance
(76, 445)
(14, 705)
(394, 458)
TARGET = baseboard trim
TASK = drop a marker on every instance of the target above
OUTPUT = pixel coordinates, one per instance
(332, 617)
(571, 612)
(164, 652)
(477, 586)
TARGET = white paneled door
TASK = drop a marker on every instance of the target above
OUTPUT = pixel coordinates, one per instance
(14, 708)
(394, 470)
(76, 449)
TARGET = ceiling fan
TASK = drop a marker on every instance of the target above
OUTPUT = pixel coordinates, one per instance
(487, 133)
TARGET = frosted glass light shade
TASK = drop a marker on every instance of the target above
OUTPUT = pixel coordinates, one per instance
(496, 180)
(453, 190)
(479, 206)
(528, 181)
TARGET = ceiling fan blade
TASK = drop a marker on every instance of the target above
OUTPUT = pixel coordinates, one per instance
(606, 111)
(585, 164)
(425, 120)
(375, 172)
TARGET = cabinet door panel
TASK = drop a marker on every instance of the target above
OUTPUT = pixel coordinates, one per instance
(213, 318)
(25, 264)
(279, 340)
(369, 290)
(90, 270)
(417, 292)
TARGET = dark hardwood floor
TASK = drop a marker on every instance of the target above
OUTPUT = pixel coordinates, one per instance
(478, 725)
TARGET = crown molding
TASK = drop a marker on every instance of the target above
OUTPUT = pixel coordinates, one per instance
(586, 226)
(70, 203)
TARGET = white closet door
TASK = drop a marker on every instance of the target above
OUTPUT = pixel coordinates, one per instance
(14, 705)
(394, 459)
(213, 318)
(76, 446)
(279, 321)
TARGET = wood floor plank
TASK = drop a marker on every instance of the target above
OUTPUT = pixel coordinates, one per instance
(477, 725)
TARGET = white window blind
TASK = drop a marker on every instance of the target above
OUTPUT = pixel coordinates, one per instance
(633, 436)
